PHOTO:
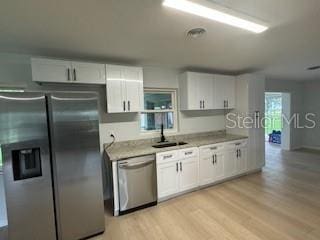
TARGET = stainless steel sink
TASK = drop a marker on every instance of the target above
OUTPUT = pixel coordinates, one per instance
(169, 144)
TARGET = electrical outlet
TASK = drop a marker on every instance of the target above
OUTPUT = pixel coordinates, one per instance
(111, 132)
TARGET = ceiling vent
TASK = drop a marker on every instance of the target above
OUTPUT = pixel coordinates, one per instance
(196, 33)
(313, 68)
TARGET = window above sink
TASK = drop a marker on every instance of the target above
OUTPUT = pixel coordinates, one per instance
(159, 108)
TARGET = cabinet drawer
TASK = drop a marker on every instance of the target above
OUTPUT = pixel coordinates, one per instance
(242, 143)
(167, 156)
(188, 153)
(211, 148)
(237, 144)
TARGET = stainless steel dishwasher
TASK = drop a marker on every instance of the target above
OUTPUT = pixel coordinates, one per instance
(137, 182)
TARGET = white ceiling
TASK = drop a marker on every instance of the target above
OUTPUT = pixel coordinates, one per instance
(144, 32)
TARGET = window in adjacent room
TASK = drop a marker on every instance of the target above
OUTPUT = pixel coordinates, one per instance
(159, 108)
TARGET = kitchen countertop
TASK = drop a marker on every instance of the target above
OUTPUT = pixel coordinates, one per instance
(129, 149)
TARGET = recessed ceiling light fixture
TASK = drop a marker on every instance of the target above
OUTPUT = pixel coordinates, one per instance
(196, 32)
(215, 14)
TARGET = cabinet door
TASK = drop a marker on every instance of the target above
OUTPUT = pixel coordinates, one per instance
(242, 160)
(133, 77)
(224, 91)
(230, 91)
(230, 164)
(206, 171)
(90, 73)
(189, 178)
(219, 90)
(168, 179)
(206, 90)
(219, 166)
(48, 70)
(115, 88)
(194, 98)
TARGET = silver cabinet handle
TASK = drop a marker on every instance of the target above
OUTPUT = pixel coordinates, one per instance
(124, 106)
(181, 166)
(188, 153)
(74, 75)
(135, 165)
(167, 156)
(68, 74)
(129, 106)
(213, 160)
(200, 104)
(213, 148)
(177, 167)
(227, 103)
(237, 153)
(240, 153)
(203, 104)
(216, 158)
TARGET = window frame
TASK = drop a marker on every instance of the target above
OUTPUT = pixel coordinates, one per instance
(174, 110)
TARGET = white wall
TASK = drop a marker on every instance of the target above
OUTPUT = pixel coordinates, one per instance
(311, 104)
(296, 91)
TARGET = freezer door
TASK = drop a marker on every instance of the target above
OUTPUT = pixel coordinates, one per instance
(74, 128)
(27, 170)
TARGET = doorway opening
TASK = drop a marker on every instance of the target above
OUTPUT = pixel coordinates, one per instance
(277, 108)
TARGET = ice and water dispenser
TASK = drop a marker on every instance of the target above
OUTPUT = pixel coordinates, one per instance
(26, 163)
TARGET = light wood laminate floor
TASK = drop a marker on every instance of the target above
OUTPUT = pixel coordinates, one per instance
(280, 203)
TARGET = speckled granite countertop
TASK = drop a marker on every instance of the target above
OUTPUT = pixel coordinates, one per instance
(129, 149)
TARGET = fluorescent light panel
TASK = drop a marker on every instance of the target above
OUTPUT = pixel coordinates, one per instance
(202, 11)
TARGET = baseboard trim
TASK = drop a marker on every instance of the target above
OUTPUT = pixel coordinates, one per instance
(310, 147)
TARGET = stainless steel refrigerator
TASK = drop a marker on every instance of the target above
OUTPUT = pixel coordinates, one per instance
(52, 165)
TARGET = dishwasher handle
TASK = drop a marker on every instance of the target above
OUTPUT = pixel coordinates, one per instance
(135, 165)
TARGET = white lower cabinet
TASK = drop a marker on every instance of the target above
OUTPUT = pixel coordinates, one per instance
(177, 171)
(230, 166)
(206, 175)
(236, 155)
(219, 166)
(242, 156)
(168, 179)
(182, 170)
(189, 169)
(211, 164)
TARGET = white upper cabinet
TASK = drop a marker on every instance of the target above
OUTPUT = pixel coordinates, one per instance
(202, 91)
(48, 70)
(225, 90)
(61, 71)
(115, 88)
(92, 73)
(124, 89)
(196, 91)
(133, 77)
